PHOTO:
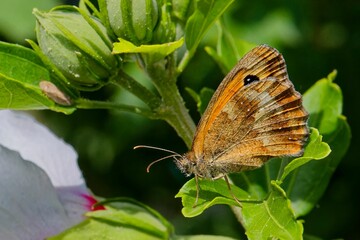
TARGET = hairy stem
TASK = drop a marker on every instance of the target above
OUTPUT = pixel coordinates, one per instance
(82, 103)
(163, 73)
(128, 83)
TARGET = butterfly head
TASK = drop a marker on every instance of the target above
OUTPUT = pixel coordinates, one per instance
(190, 164)
(186, 164)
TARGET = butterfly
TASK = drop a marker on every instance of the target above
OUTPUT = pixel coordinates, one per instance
(254, 115)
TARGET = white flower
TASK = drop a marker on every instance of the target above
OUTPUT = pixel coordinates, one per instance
(42, 191)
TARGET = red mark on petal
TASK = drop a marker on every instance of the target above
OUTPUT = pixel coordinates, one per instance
(91, 202)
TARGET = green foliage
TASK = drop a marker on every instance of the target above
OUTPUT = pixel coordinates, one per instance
(201, 99)
(155, 51)
(78, 57)
(228, 50)
(324, 103)
(125, 219)
(20, 74)
(314, 150)
(271, 218)
(211, 193)
(204, 16)
(275, 206)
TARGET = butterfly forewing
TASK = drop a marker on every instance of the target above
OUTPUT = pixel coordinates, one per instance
(246, 123)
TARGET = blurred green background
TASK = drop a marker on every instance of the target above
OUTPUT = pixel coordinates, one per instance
(315, 37)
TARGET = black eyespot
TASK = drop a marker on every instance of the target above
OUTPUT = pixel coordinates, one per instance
(249, 79)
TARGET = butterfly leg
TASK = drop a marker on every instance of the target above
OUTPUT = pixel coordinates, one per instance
(231, 192)
(197, 191)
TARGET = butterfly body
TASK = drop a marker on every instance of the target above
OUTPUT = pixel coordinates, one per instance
(254, 115)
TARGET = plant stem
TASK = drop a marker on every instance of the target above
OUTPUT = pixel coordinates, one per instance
(177, 115)
(91, 104)
(173, 109)
(128, 83)
(184, 61)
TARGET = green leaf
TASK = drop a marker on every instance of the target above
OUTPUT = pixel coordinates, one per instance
(205, 14)
(228, 50)
(157, 51)
(315, 150)
(211, 192)
(308, 183)
(201, 99)
(201, 237)
(124, 219)
(272, 218)
(324, 102)
(20, 74)
(181, 9)
(98, 229)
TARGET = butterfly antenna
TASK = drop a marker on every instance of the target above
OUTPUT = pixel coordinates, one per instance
(158, 160)
(157, 148)
(173, 154)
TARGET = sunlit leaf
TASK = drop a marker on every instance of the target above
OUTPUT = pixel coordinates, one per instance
(324, 103)
(269, 217)
(122, 219)
(157, 51)
(315, 150)
(211, 193)
(272, 218)
(202, 237)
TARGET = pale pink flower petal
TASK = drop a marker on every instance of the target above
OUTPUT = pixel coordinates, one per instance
(35, 143)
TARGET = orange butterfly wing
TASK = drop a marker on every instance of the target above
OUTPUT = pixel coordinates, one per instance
(255, 114)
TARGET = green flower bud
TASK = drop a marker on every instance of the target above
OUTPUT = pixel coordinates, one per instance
(77, 45)
(133, 20)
